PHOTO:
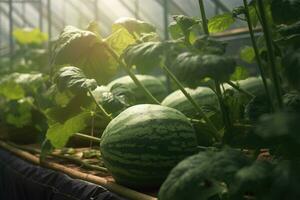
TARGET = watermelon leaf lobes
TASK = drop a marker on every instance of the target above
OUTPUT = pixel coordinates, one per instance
(143, 143)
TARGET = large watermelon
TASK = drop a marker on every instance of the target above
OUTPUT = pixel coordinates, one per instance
(202, 95)
(153, 84)
(143, 143)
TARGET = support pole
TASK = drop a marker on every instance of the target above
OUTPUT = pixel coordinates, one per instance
(49, 19)
(41, 15)
(11, 22)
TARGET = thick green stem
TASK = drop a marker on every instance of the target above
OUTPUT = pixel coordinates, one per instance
(203, 16)
(256, 51)
(132, 75)
(225, 113)
(87, 137)
(240, 89)
(270, 51)
(102, 110)
(193, 102)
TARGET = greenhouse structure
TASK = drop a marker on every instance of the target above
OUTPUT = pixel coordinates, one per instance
(149, 99)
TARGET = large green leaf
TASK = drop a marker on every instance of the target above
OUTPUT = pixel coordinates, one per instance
(191, 68)
(86, 50)
(208, 45)
(59, 133)
(73, 79)
(28, 36)
(220, 23)
(120, 40)
(285, 11)
(184, 26)
(148, 55)
(133, 26)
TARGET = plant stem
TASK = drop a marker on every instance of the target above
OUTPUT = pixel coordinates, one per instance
(132, 75)
(87, 137)
(203, 16)
(225, 114)
(270, 51)
(240, 89)
(103, 111)
(256, 51)
(193, 102)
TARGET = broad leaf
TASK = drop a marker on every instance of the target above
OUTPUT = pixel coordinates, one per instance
(184, 26)
(85, 50)
(133, 26)
(59, 133)
(208, 45)
(73, 79)
(285, 11)
(120, 40)
(220, 23)
(28, 36)
(240, 73)
(146, 56)
(247, 54)
(192, 68)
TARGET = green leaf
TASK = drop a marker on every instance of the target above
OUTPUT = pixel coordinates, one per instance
(28, 36)
(285, 11)
(220, 23)
(247, 54)
(58, 134)
(73, 79)
(85, 50)
(208, 45)
(191, 68)
(120, 40)
(12, 90)
(133, 26)
(184, 26)
(146, 56)
(19, 113)
(16, 85)
(240, 73)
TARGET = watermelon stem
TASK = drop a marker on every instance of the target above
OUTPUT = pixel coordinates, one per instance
(256, 51)
(132, 75)
(87, 137)
(270, 52)
(193, 102)
(232, 84)
(103, 111)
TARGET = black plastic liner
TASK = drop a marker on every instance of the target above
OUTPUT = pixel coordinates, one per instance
(20, 180)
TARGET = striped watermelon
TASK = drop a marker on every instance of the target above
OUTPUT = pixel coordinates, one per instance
(153, 84)
(202, 95)
(143, 143)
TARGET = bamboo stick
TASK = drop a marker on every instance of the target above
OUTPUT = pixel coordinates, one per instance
(118, 189)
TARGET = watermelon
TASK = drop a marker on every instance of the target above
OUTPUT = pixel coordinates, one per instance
(203, 176)
(153, 84)
(204, 96)
(144, 142)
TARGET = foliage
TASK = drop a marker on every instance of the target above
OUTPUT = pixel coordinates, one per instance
(73, 79)
(247, 54)
(28, 36)
(85, 50)
(220, 23)
(192, 68)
